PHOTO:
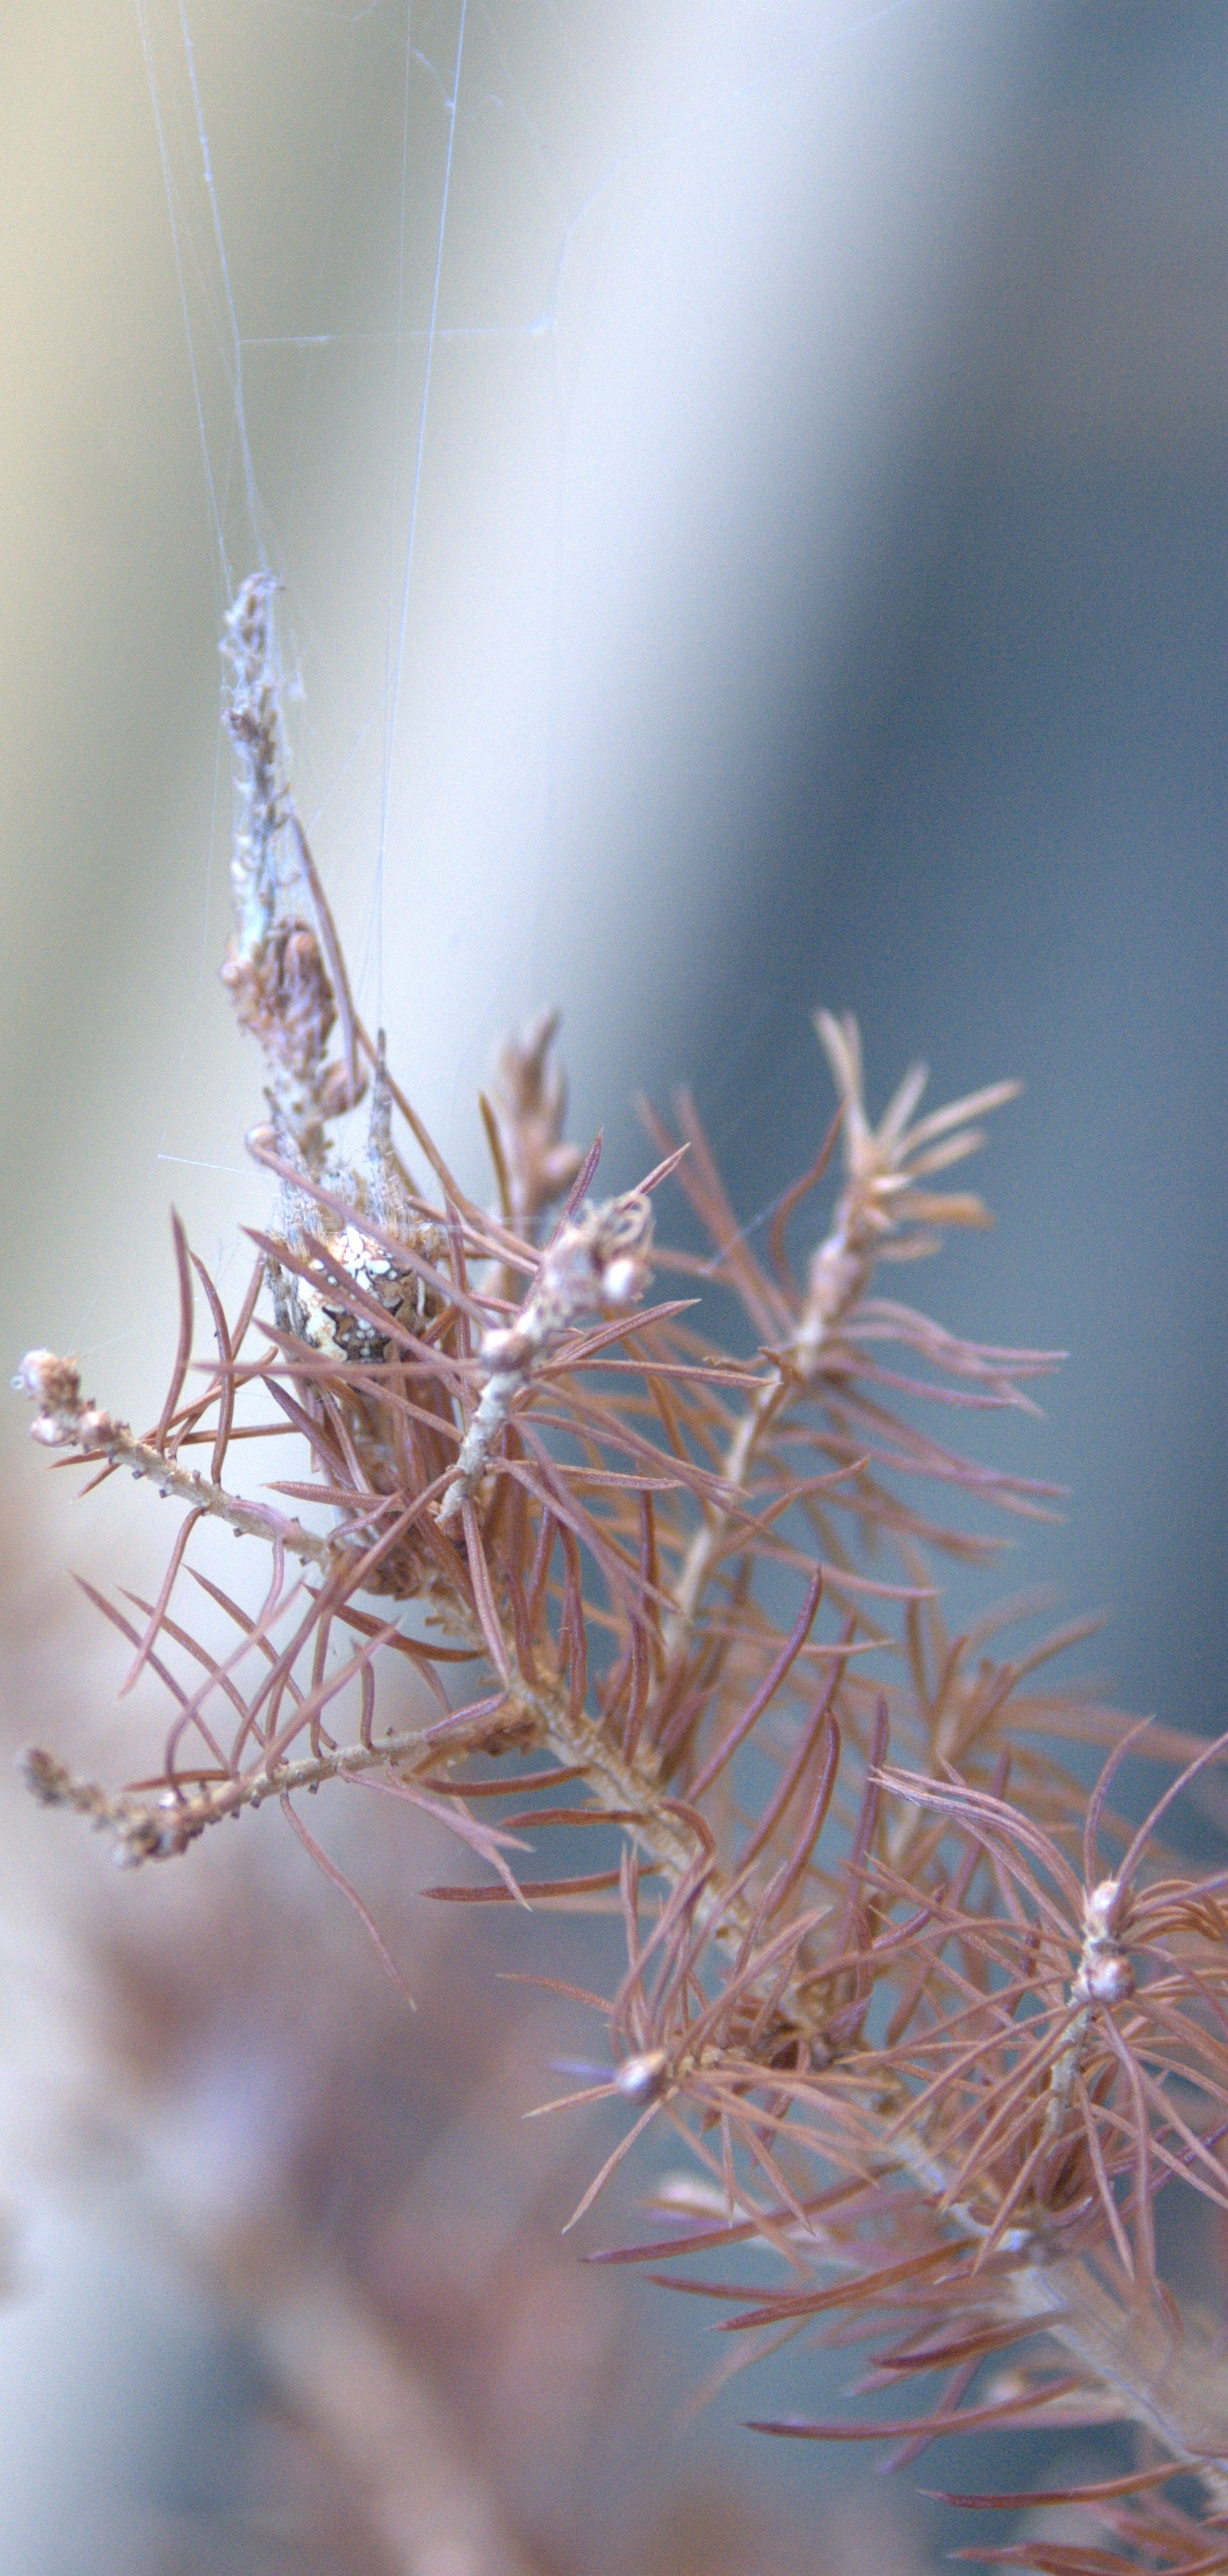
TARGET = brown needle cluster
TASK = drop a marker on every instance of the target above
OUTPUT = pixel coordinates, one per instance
(936, 2030)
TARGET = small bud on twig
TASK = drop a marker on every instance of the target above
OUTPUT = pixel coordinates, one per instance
(599, 1261)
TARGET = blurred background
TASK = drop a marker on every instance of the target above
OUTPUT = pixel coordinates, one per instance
(747, 480)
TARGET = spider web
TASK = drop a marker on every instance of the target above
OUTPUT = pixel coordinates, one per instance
(398, 234)
(472, 308)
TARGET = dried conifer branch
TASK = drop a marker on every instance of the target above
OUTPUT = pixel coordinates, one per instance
(597, 1261)
(528, 1101)
(66, 1420)
(875, 1212)
(935, 2030)
(277, 970)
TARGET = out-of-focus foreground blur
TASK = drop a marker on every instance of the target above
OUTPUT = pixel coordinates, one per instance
(747, 483)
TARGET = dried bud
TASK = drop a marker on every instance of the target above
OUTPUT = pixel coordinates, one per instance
(48, 1779)
(94, 1428)
(282, 994)
(51, 1433)
(337, 1093)
(1101, 1908)
(51, 1381)
(1105, 1974)
(623, 1281)
(641, 2079)
(1109, 1979)
(600, 1259)
(529, 1099)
